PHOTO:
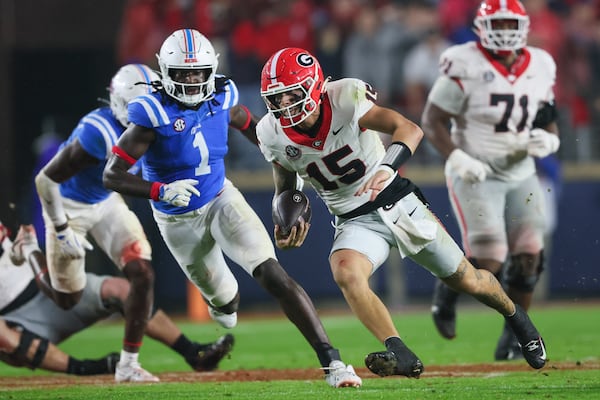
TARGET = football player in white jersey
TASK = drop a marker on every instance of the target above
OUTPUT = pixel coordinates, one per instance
(32, 324)
(326, 132)
(181, 132)
(490, 112)
(75, 202)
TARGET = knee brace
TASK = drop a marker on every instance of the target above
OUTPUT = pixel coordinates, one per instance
(228, 308)
(114, 304)
(523, 275)
(20, 353)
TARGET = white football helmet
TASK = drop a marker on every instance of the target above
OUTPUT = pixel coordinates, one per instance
(188, 49)
(498, 39)
(131, 81)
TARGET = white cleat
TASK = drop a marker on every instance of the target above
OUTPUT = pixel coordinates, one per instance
(133, 373)
(342, 375)
(225, 320)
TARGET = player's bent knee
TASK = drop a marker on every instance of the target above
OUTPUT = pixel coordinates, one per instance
(140, 249)
(271, 276)
(139, 272)
(523, 272)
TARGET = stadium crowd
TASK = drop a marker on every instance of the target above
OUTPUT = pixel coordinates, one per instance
(405, 37)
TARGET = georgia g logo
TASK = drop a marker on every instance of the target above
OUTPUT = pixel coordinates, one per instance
(305, 59)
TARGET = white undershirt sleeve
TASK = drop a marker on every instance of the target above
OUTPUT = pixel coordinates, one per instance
(50, 198)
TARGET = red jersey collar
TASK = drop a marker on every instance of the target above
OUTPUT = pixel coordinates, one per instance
(319, 140)
(516, 69)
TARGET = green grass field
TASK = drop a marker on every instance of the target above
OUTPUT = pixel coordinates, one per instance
(572, 335)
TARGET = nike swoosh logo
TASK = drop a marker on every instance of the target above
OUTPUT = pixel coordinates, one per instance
(410, 214)
(543, 356)
(337, 131)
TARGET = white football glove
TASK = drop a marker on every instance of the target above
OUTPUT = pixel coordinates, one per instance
(542, 143)
(71, 245)
(178, 193)
(468, 168)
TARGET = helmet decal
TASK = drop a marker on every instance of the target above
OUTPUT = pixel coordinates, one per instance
(190, 55)
(305, 59)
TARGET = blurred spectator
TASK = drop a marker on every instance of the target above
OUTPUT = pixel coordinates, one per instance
(374, 41)
(145, 25)
(421, 69)
(579, 90)
(375, 46)
(284, 24)
(456, 19)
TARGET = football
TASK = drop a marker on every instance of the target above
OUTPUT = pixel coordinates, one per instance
(288, 208)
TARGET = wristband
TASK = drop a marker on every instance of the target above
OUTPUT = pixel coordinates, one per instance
(155, 190)
(387, 168)
(248, 119)
(61, 227)
(397, 153)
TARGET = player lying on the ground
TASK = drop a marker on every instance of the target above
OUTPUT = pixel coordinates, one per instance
(32, 324)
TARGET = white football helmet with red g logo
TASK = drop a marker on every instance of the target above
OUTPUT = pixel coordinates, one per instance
(500, 38)
(188, 49)
(292, 70)
(130, 81)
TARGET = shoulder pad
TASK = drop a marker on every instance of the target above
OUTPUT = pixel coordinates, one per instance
(348, 92)
(148, 111)
(545, 61)
(226, 92)
(458, 61)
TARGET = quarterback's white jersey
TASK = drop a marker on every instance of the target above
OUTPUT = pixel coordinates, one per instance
(494, 114)
(340, 156)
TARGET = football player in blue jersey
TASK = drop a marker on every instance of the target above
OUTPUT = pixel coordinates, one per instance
(181, 132)
(74, 203)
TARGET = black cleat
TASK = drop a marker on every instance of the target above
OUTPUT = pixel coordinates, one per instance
(532, 345)
(208, 356)
(443, 309)
(508, 347)
(386, 363)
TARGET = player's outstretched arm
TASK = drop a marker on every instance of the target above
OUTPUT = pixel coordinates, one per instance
(132, 145)
(243, 120)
